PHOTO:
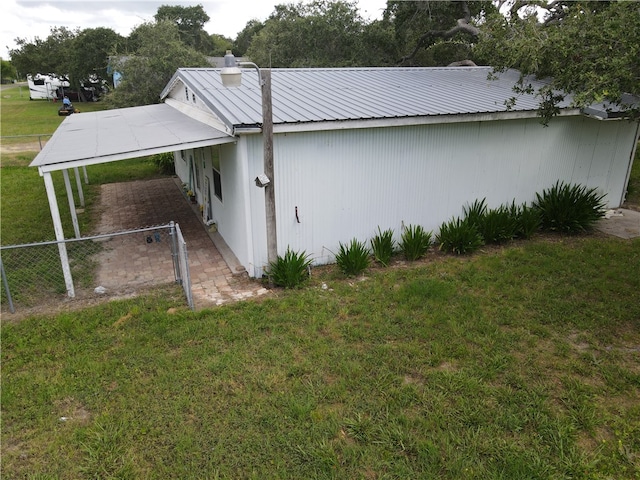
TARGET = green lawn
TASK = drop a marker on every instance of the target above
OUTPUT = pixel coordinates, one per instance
(521, 362)
(21, 116)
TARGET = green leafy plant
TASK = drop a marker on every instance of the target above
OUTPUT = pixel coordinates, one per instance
(382, 246)
(291, 270)
(497, 225)
(474, 213)
(415, 242)
(164, 162)
(569, 208)
(459, 236)
(353, 258)
(527, 220)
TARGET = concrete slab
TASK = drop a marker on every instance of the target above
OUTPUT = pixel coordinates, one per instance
(621, 223)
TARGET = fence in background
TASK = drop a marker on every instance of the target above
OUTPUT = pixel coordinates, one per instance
(108, 264)
(39, 136)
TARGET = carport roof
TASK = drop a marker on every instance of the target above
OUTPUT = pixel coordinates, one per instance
(110, 135)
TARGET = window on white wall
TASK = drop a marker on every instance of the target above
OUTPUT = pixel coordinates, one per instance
(217, 179)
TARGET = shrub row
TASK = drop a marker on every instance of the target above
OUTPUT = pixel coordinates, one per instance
(561, 208)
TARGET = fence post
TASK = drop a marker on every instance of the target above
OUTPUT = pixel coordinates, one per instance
(174, 252)
(6, 287)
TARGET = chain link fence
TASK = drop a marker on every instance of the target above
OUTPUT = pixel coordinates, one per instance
(102, 265)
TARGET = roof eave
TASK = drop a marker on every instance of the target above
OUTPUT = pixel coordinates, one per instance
(400, 121)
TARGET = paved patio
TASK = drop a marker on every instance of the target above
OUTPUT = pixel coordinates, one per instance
(621, 223)
(145, 259)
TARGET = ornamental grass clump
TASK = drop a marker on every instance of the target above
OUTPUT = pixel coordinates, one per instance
(527, 220)
(494, 225)
(497, 225)
(474, 213)
(569, 208)
(459, 236)
(291, 270)
(353, 258)
(415, 242)
(382, 246)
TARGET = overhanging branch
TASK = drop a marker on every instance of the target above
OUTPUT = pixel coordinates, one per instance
(463, 25)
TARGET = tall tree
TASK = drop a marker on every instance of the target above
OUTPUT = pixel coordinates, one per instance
(146, 72)
(7, 71)
(190, 22)
(243, 41)
(51, 55)
(316, 34)
(91, 50)
(220, 45)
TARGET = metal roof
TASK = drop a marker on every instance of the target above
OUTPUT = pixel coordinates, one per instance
(342, 94)
(110, 135)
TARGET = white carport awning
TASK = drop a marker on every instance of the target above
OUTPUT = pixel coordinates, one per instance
(111, 135)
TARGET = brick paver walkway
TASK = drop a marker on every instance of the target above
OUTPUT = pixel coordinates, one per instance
(141, 259)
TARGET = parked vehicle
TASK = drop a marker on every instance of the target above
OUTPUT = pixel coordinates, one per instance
(45, 87)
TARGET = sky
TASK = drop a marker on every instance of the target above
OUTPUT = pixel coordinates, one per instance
(32, 19)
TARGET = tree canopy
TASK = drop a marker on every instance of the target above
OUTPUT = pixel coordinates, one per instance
(321, 33)
(190, 22)
(51, 55)
(590, 49)
(147, 71)
(7, 71)
(91, 49)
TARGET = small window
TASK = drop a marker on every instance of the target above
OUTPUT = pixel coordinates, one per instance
(193, 97)
(217, 179)
(186, 93)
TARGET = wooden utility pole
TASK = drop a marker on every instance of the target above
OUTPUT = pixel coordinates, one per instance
(269, 190)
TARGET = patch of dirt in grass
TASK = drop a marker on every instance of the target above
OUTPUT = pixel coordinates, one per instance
(6, 147)
(578, 343)
(70, 410)
(446, 367)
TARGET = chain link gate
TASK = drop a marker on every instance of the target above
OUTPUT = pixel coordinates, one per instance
(32, 273)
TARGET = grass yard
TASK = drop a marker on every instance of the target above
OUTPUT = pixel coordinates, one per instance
(521, 362)
(24, 208)
(21, 116)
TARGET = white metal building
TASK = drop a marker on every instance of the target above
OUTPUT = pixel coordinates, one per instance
(359, 148)
(354, 149)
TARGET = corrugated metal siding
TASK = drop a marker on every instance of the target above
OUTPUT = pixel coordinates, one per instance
(230, 213)
(347, 183)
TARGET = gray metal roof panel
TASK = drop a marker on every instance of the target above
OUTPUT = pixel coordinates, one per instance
(335, 94)
(122, 131)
